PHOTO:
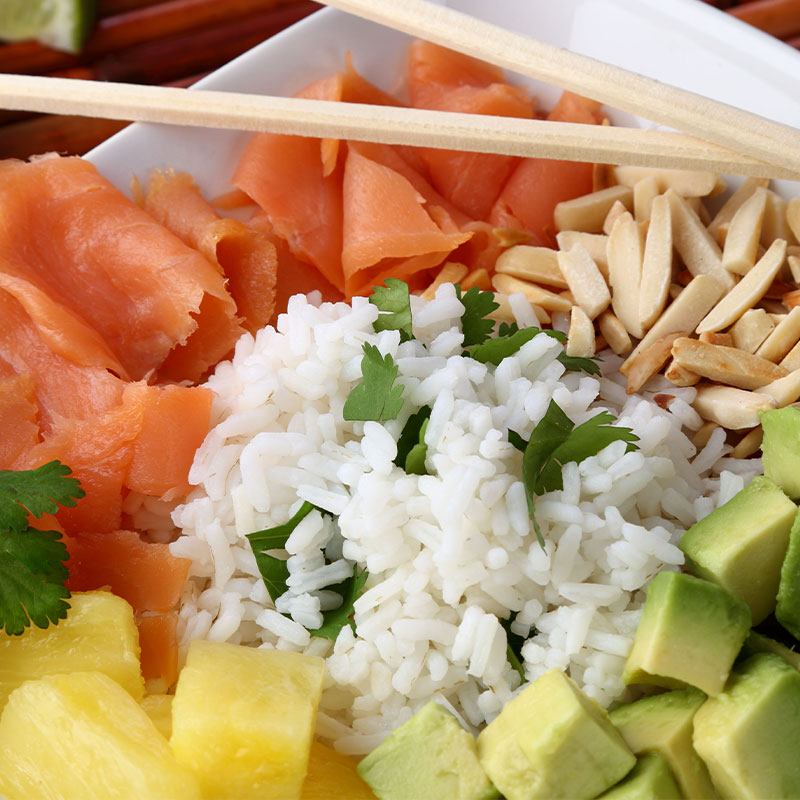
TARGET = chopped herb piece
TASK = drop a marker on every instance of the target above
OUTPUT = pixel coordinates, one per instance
(415, 460)
(507, 328)
(32, 568)
(410, 436)
(578, 364)
(592, 436)
(375, 398)
(513, 646)
(394, 303)
(518, 442)
(493, 351)
(477, 305)
(335, 619)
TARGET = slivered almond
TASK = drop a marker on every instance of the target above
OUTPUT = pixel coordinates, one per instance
(614, 333)
(580, 338)
(451, 272)
(656, 262)
(595, 243)
(775, 225)
(503, 312)
(614, 213)
(720, 187)
(625, 272)
(537, 264)
(674, 290)
(791, 360)
(703, 434)
(785, 390)
(679, 375)
(700, 253)
(725, 364)
(741, 243)
(507, 284)
(584, 280)
(793, 259)
(732, 204)
(478, 277)
(683, 314)
(751, 329)
(749, 443)
(588, 212)
(602, 176)
(696, 204)
(783, 338)
(791, 299)
(644, 192)
(649, 361)
(734, 409)
(689, 183)
(508, 237)
(724, 339)
(793, 217)
(750, 289)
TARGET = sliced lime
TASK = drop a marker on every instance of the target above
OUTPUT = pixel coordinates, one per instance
(62, 24)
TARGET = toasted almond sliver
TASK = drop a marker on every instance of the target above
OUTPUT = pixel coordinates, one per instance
(724, 339)
(602, 175)
(528, 263)
(684, 312)
(649, 361)
(783, 338)
(614, 333)
(584, 280)
(750, 289)
(741, 243)
(503, 312)
(451, 272)
(732, 204)
(679, 375)
(703, 434)
(725, 364)
(689, 183)
(794, 266)
(549, 301)
(785, 390)
(791, 360)
(625, 272)
(644, 192)
(700, 253)
(656, 263)
(751, 329)
(775, 225)
(749, 443)
(508, 237)
(793, 217)
(595, 243)
(791, 299)
(734, 409)
(588, 212)
(580, 338)
(614, 213)
(478, 277)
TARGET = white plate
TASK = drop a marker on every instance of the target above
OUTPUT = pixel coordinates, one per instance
(683, 42)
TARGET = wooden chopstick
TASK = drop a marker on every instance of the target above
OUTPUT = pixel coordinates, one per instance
(700, 116)
(410, 126)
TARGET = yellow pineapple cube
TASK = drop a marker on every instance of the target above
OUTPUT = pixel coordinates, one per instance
(99, 633)
(159, 708)
(83, 737)
(333, 776)
(243, 719)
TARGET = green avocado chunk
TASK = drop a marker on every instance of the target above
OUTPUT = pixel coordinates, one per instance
(553, 741)
(690, 633)
(787, 608)
(758, 643)
(650, 779)
(780, 448)
(748, 735)
(741, 545)
(663, 724)
(429, 757)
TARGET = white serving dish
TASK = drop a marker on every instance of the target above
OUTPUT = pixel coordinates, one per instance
(683, 42)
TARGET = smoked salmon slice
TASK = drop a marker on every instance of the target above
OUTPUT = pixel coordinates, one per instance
(19, 419)
(158, 640)
(146, 292)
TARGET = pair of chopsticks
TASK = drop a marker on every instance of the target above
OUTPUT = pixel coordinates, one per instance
(720, 137)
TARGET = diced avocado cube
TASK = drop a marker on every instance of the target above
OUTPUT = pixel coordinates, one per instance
(663, 724)
(553, 741)
(650, 779)
(430, 756)
(780, 448)
(741, 545)
(748, 735)
(690, 633)
(757, 643)
(787, 608)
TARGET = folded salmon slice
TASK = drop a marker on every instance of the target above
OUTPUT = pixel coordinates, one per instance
(19, 419)
(74, 236)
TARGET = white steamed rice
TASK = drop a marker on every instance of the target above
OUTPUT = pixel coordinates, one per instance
(447, 553)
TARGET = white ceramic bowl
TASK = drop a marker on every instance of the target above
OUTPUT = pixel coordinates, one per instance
(683, 42)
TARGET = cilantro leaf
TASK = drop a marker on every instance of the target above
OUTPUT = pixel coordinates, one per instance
(578, 364)
(37, 491)
(412, 437)
(514, 644)
(394, 302)
(493, 351)
(375, 398)
(274, 571)
(477, 305)
(592, 436)
(335, 619)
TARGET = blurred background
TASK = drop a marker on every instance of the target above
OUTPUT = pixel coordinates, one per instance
(177, 42)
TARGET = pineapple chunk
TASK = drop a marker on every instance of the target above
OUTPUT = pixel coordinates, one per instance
(333, 776)
(99, 633)
(82, 735)
(159, 708)
(243, 719)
